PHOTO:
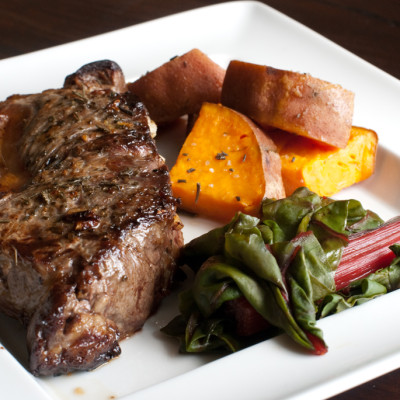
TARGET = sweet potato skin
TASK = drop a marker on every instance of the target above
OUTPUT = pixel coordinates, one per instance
(179, 86)
(291, 101)
(227, 164)
(324, 169)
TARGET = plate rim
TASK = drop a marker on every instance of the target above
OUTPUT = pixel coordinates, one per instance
(235, 4)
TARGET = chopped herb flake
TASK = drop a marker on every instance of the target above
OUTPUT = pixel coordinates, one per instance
(221, 156)
(197, 192)
(190, 170)
(237, 198)
(181, 180)
(244, 157)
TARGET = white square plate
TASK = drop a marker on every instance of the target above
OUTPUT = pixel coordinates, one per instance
(363, 342)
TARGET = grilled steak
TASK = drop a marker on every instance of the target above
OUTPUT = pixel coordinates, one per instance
(89, 233)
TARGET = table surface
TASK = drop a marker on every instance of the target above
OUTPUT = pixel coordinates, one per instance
(368, 28)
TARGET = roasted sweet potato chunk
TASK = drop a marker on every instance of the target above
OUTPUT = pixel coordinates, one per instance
(324, 169)
(290, 101)
(227, 164)
(180, 86)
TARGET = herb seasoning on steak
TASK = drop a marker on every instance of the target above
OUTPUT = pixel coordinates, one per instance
(89, 232)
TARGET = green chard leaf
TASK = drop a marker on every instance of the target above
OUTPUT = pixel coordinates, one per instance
(197, 333)
(289, 212)
(309, 277)
(217, 282)
(310, 267)
(215, 277)
(213, 285)
(249, 249)
(389, 277)
(304, 310)
(396, 249)
(212, 243)
(346, 217)
(284, 267)
(271, 232)
(207, 335)
(364, 291)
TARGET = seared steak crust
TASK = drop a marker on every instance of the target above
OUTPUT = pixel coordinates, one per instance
(89, 239)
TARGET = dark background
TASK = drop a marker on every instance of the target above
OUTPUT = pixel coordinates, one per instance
(368, 28)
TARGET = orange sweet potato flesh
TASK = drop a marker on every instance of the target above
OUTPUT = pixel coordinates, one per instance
(291, 101)
(324, 169)
(179, 86)
(227, 164)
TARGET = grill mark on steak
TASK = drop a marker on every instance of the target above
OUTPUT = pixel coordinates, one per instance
(89, 237)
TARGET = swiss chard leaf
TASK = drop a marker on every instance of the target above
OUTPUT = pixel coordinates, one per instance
(215, 277)
(337, 302)
(289, 212)
(271, 232)
(249, 248)
(346, 217)
(389, 277)
(207, 335)
(310, 267)
(284, 266)
(211, 243)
